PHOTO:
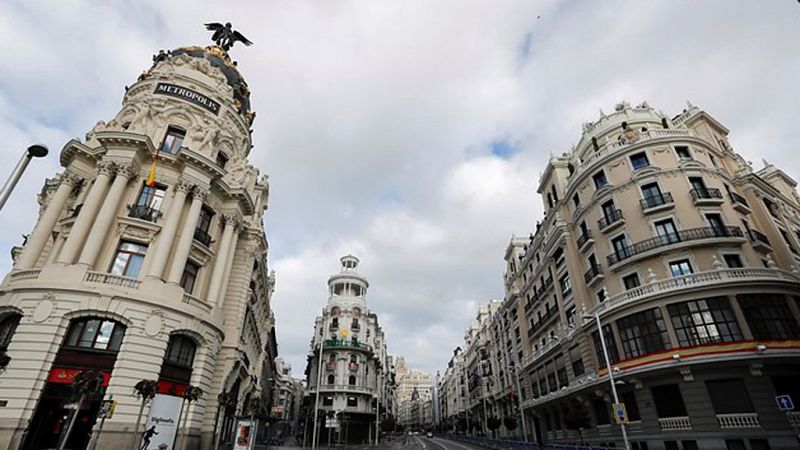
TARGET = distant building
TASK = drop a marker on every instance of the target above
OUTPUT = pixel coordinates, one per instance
(414, 396)
(356, 372)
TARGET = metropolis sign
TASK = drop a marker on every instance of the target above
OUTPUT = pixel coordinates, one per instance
(188, 95)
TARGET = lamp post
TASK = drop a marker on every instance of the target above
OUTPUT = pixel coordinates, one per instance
(519, 403)
(610, 375)
(34, 151)
(320, 360)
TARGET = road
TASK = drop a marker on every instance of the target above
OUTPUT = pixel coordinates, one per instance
(407, 443)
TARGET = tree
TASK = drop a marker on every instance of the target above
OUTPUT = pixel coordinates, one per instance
(510, 422)
(190, 394)
(577, 418)
(145, 390)
(493, 424)
(86, 385)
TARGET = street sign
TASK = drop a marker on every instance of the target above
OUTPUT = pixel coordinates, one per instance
(107, 409)
(785, 402)
(620, 415)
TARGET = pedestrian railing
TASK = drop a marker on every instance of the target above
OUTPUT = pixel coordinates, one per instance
(509, 444)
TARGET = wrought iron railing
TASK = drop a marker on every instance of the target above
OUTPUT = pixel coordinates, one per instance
(692, 234)
(584, 238)
(591, 273)
(757, 236)
(610, 218)
(144, 212)
(656, 200)
(705, 194)
(736, 198)
(202, 236)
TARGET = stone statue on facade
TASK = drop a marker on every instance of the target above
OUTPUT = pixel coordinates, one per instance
(225, 36)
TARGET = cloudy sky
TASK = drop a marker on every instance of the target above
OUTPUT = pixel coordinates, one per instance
(408, 133)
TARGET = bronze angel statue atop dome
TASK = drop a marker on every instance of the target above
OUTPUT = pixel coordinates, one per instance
(225, 36)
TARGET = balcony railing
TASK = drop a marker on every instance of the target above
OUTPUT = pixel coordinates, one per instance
(758, 237)
(736, 198)
(347, 343)
(590, 274)
(27, 274)
(691, 234)
(584, 238)
(656, 200)
(353, 367)
(144, 212)
(743, 420)
(794, 418)
(695, 281)
(700, 194)
(114, 280)
(611, 218)
(195, 301)
(675, 423)
(202, 236)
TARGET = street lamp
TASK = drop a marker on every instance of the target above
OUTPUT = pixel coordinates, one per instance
(610, 371)
(519, 402)
(34, 151)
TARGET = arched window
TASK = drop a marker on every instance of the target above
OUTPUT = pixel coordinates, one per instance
(95, 333)
(331, 379)
(180, 351)
(353, 359)
(352, 380)
(335, 311)
(332, 358)
(8, 325)
(356, 312)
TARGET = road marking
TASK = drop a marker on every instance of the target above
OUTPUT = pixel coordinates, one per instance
(457, 444)
(437, 443)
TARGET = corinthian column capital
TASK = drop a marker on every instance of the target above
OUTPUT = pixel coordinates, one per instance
(70, 179)
(105, 168)
(200, 193)
(184, 186)
(234, 219)
(127, 170)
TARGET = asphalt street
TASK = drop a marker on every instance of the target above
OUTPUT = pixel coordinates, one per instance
(405, 443)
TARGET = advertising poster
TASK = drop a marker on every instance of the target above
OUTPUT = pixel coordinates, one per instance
(162, 423)
(244, 435)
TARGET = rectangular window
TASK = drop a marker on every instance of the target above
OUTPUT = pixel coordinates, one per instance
(768, 316)
(222, 160)
(148, 204)
(680, 268)
(566, 286)
(562, 377)
(699, 185)
(327, 400)
(621, 247)
(668, 400)
(601, 411)
(683, 153)
(643, 333)
(729, 396)
(759, 444)
(733, 260)
(601, 296)
(652, 196)
(577, 361)
(666, 231)
(639, 160)
(788, 240)
(600, 179)
(576, 200)
(189, 277)
(631, 407)
(173, 140)
(128, 260)
(631, 281)
(700, 322)
(608, 335)
(734, 444)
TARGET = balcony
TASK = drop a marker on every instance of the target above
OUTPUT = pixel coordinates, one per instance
(347, 344)
(742, 420)
(330, 366)
(593, 275)
(611, 220)
(334, 326)
(706, 196)
(202, 237)
(353, 367)
(794, 418)
(695, 281)
(144, 212)
(584, 240)
(657, 202)
(740, 203)
(111, 279)
(675, 423)
(344, 388)
(689, 235)
(760, 241)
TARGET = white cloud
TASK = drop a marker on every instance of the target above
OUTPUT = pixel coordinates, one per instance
(375, 121)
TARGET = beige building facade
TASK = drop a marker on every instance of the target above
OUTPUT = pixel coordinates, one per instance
(165, 282)
(690, 259)
(414, 395)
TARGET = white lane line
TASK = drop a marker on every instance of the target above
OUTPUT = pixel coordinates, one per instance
(437, 443)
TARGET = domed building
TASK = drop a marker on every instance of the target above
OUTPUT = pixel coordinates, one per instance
(690, 259)
(148, 262)
(356, 373)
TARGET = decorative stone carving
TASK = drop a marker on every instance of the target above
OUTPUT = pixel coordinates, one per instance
(184, 186)
(44, 309)
(154, 323)
(209, 138)
(105, 168)
(240, 173)
(128, 170)
(200, 192)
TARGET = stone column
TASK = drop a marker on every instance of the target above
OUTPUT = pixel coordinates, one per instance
(168, 230)
(181, 254)
(105, 217)
(80, 228)
(215, 287)
(41, 234)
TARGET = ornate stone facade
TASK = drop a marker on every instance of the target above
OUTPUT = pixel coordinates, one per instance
(176, 273)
